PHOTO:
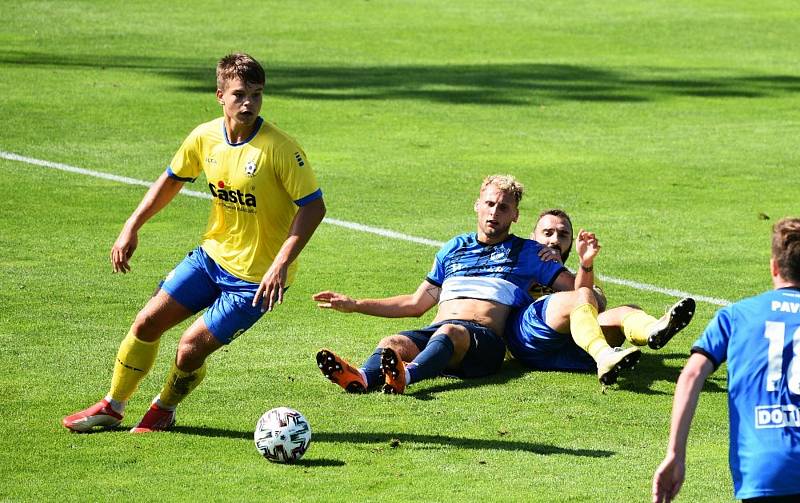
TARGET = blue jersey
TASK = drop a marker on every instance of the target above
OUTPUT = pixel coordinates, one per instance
(760, 339)
(466, 269)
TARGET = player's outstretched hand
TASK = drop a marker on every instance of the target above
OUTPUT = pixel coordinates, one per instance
(123, 249)
(668, 479)
(270, 290)
(587, 247)
(336, 301)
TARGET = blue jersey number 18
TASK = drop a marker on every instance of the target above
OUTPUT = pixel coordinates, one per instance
(775, 331)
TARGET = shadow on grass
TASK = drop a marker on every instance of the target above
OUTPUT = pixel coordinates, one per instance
(511, 370)
(475, 84)
(396, 440)
(318, 463)
(653, 367)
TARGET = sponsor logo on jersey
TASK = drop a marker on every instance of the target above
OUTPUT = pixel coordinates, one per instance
(232, 195)
(777, 416)
(300, 161)
(785, 306)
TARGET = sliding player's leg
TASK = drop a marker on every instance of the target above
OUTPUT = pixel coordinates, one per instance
(576, 312)
(640, 328)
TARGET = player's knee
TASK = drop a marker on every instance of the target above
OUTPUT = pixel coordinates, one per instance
(458, 335)
(400, 344)
(392, 341)
(585, 295)
(188, 356)
(145, 326)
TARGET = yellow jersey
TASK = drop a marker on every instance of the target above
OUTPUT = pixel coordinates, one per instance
(256, 188)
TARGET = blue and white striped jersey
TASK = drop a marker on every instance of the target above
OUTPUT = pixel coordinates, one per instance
(503, 272)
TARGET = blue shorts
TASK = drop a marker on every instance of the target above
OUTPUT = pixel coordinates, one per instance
(198, 283)
(486, 349)
(536, 345)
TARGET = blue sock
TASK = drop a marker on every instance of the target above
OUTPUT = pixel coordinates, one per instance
(432, 360)
(372, 369)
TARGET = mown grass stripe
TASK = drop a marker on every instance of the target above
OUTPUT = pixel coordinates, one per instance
(348, 225)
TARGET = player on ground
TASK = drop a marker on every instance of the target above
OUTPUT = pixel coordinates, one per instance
(759, 337)
(266, 205)
(539, 336)
(476, 279)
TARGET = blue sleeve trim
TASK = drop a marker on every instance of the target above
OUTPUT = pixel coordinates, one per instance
(433, 282)
(172, 175)
(697, 349)
(305, 200)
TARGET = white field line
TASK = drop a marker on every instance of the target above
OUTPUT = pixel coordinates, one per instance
(348, 225)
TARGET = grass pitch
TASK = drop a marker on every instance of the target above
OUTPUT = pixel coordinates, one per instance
(669, 128)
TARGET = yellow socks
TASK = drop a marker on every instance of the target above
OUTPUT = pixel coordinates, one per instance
(134, 360)
(178, 385)
(636, 327)
(586, 330)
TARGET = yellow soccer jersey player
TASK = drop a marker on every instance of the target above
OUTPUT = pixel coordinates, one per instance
(265, 207)
(256, 186)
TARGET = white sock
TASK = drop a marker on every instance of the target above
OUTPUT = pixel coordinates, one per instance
(116, 406)
(605, 352)
(157, 401)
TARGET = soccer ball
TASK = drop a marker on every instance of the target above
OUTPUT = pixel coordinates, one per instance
(282, 435)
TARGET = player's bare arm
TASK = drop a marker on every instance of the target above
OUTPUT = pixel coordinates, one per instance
(670, 474)
(564, 282)
(401, 306)
(588, 247)
(159, 195)
(306, 221)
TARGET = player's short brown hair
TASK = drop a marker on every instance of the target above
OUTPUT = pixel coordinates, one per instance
(786, 248)
(239, 66)
(506, 183)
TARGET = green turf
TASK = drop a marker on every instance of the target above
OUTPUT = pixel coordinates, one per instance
(669, 128)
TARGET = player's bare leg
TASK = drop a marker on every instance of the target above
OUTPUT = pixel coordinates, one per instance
(187, 372)
(445, 349)
(135, 358)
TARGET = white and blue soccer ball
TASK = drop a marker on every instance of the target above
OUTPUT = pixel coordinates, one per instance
(282, 435)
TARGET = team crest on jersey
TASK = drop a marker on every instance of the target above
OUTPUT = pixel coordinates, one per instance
(250, 168)
(499, 255)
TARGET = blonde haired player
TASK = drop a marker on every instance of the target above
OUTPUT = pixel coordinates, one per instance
(477, 278)
(266, 204)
